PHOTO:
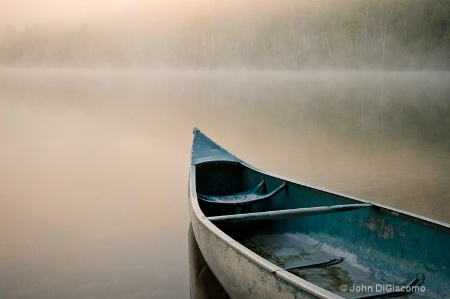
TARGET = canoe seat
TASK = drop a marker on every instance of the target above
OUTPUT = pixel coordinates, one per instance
(243, 198)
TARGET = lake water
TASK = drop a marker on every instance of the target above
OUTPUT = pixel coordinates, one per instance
(94, 163)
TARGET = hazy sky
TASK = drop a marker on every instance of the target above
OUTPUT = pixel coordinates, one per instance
(21, 13)
(28, 12)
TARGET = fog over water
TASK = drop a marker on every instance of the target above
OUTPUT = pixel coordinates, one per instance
(98, 101)
(94, 164)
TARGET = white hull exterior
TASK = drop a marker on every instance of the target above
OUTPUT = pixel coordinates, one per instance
(242, 273)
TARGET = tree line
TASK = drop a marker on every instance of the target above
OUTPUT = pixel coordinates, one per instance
(284, 34)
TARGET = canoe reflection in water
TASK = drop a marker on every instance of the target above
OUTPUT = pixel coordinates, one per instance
(203, 283)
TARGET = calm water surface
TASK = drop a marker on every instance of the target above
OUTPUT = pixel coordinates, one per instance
(94, 164)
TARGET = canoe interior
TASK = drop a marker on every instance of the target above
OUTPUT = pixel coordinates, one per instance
(379, 246)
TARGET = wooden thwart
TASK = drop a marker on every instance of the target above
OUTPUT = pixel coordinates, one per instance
(287, 214)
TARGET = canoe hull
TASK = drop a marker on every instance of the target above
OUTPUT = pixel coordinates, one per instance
(375, 245)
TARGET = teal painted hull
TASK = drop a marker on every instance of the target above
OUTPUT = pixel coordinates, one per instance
(371, 250)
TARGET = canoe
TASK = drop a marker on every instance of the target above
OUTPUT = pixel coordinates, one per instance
(265, 236)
